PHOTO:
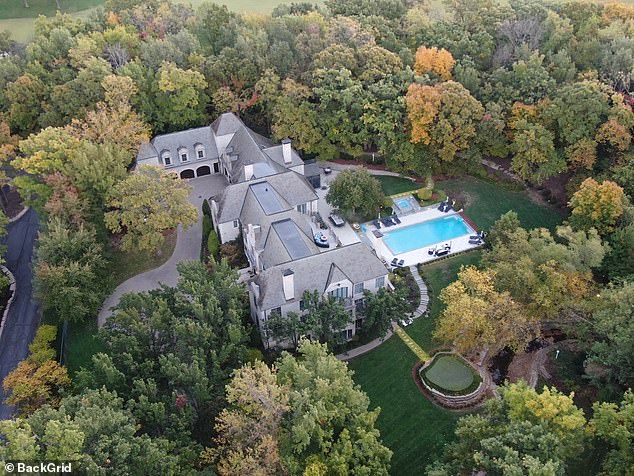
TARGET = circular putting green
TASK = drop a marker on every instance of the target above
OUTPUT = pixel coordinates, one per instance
(450, 372)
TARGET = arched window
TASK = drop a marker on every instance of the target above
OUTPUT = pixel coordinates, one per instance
(183, 155)
(200, 151)
(166, 158)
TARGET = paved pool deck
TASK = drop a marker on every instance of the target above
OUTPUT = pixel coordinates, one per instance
(419, 255)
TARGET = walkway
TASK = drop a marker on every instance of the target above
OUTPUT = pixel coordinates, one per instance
(420, 311)
(23, 317)
(187, 248)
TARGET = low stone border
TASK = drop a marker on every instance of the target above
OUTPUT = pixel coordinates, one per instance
(451, 402)
(19, 215)
(12, 286)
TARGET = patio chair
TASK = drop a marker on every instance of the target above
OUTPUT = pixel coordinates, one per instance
(431, 251)
(394, 261)
(386, 222)
(401, 262)
(474, 237)
(476, 241)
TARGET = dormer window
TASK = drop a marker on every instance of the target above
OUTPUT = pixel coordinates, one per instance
(182, 153)
(200, 151)
(166, 158)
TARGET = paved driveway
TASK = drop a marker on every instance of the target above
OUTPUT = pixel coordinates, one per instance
(23, 317)
(187, 248)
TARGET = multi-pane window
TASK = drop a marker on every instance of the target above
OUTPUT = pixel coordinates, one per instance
(276, 311)
(340, 293)
(301, 208)
(380, 282)
(184, 157)
(302, 305)
(235, 223)
(201, 153)
(167, 160)
(358, 288)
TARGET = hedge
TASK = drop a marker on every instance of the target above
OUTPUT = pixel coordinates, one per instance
(213, 244)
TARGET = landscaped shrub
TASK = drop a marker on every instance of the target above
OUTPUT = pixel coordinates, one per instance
(424, 193)
(207, 226)
(206, 208)
(458, 205)
(387, 202)
(213, 244)
(253, 355)
(234, 253)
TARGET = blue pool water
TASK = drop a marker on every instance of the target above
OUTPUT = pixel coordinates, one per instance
(425, 233)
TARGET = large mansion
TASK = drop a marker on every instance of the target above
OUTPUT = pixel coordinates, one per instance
(270, 203)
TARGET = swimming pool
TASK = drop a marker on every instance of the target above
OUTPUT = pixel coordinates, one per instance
(425, 233)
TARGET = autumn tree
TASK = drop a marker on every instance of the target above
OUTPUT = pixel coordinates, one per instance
(65, 202)
(477, 317)
(443, 116)
(544, 275)
(356, 193)
(249, 429)
(113, 121)
(38, 379)
(146, 204)
(434, 60)
(597, 205)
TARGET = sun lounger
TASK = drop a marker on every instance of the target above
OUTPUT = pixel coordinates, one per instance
(396, 219)
(474, 237)
(475, 242)
(401, 262)
(443, 252)
(376, 224)
(394, 261)
(386, 222)
(431, 251)
(441, 207)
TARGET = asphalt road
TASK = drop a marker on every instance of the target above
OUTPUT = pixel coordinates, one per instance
(23, 316)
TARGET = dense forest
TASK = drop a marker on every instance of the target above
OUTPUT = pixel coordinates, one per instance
(425, 88)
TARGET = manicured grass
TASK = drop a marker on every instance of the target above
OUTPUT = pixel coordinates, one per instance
(450, 372)
(410, 425)
(485, 202)
(393, 185)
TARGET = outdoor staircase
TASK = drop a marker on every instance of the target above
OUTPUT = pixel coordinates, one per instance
(424, 295)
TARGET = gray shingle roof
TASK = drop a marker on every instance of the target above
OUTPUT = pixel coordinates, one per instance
(248, 147)
(356, 262)
(276, 153)
(189, 139)
(282, 246)
(146, 151)
(291, 186)
(227, 123)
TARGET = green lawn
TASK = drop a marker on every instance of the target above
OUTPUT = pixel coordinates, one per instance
(81, 344)
(393, 185)
(412, 427)
(450, 373)
(486, 201)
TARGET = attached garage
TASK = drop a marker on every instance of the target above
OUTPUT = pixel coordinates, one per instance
(204, 170)
(186, 174)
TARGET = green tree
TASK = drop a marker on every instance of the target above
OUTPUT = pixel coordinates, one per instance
(523, 433)
(356, 193)
(619, 260)
(329, 423)
(171, 351)
(95, 430)
(180, 97)
(381, 309)
(611, 332)
(146, 204)
(70, 271)
(597, 205)
(613, 425)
